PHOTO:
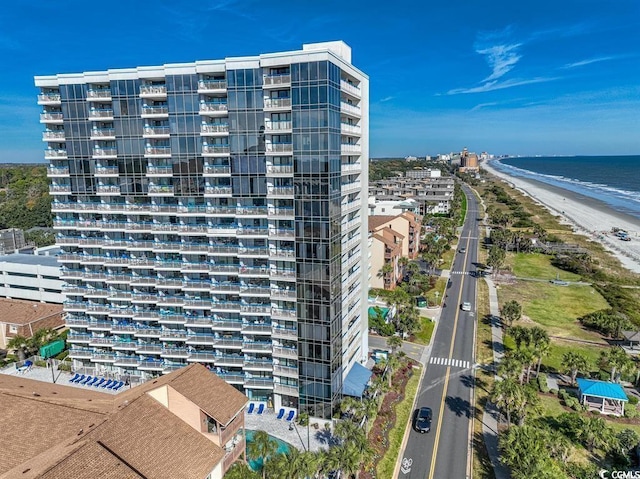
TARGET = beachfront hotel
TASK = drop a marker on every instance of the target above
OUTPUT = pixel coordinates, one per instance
(214, 212)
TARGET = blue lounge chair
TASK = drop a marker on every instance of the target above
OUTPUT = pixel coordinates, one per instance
(280, 414)
(107, 383)
(74, 378)
(82, 376)
(99, 383)
(93, 381)
(251, 408)
(115, 383)
(120, 384)
(260, 409)
(291, 415)
(86, 380)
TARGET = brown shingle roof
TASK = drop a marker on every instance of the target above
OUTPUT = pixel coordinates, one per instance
(376, 221)
(15, 311)
(211, 394)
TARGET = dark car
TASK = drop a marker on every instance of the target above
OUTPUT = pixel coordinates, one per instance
(422, 420)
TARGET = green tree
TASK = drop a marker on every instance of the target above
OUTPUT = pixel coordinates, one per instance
(496, 258)
(574, 362)
(262, 447)
(505, 396)
(20, 345)
(540, 345)
(521, 336)
(240, 470)
(394, 342)
(594, 433)
(511, 311)
(511, 367)
(345, 459)
(617, 361)
(524, 450)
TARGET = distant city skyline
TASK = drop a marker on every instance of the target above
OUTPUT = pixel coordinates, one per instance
(505, 77)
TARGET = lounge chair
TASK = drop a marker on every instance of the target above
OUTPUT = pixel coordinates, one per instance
(82, 376)
(115, 383)
(93, 381)
(108, 383)
(251, 408)
(280, 414)
(86, 380)
(260, 409)
(73, 379)
(99, 383)
(120, 384)
(291, 415)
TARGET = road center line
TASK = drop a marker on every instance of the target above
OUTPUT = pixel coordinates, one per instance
(446, 379)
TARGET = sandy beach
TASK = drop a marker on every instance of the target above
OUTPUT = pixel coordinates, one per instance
(589, 216)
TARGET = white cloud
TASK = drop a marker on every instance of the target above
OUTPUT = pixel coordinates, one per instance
(588, 62)
(501, 59)
(495, 85)
(386, 98)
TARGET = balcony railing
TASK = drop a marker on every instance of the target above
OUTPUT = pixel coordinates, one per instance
(209, 85)
(156, 130)
(155, 110)
(278, 126)
(49, 98)
(275, 103)
(213, 107)
(214, 128)
(53, 135)
(102, 152)
(215, 149)
(270, 80)
(280, 169)
(279, 147)
(160, 189)
(216, 169)
(158, 151)
(153, 90)
(347, 128)
(99, 93)
(102, 132)
(59, 170)
(348, 87)
(103, 113)
(51, 116)
(348, 108)
(280, 190)
(55, 153)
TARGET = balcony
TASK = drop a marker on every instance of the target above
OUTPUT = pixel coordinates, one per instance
(278, 127)
(156, 132)
(288, 371)
(55, 154)
(218, 190)
(214, 129)
(279, 169)
(256, 346)
(51, 117)
(101, 114)
(151, 365)
(276, 80)
(49, 99)
(105, 153)
(208, 86)
(54, 171)
(350, 109)
(256, 328)
(280, 191)
(107, 189)
(350, 149)
(155, 170)
(215, 150)
(286, 294)
(216, 169)
(351, 168)
(102, 134)
(348, 129)
(98, 357)
(282, 233)
(284, 274)
(60, 189)
(285, 333)
(157, 152)
(277, 104)
(126, 361)
(285, 352)
(252, 231)
(53, 135)
(161, 189)
(282, 212)
(181, 353)
(281, 313)
(80, 353)
(225, 306)
(226, 324)
(285, 389)
(98, 94)
(201, 356)
(255, 308)
(352, 187)
(279, 147)
(257, 382)
(213, 108)
(350, 88)
(107, 171)
(155, 111)
(153, 91)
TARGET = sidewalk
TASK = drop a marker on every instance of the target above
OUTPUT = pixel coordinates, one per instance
(491, 414)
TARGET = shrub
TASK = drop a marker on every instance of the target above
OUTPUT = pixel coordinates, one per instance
(563, 395)
(631, 412)
(64, 367)
(633, 400)
(554, 392)
(41, 364)
(303, 419)
(542, 383)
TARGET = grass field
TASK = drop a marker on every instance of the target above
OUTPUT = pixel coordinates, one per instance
(434, 299)
(556, 308)
(553, 362)
(525, 265)
(426, 331)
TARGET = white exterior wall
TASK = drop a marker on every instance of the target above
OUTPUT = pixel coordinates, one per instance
(33, 277)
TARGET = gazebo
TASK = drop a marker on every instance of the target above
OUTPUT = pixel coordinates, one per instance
(633, 338)
(603, 396)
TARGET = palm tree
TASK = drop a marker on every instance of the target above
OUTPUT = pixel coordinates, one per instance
(541, 345)
(384, 273)
(291, 464)
(20, 345)
(390, 366)
(394, 342)
(43, 336)
(504, 395)
(525, 357)
(510, 367)
(262, 447)
(511, 311)
(574, 363)
(520, 335)
(594, 432)
(524, 450)
(496, 258)
(617, 360)
(241, 470)
(344, 458)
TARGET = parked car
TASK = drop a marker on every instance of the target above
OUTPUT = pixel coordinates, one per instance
(422, 420)
(466, 306)
(463, 250)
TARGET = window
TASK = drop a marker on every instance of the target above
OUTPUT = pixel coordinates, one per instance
(13, 329)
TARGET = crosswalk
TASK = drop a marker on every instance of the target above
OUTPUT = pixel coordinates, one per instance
(456, 363)
(460, 272)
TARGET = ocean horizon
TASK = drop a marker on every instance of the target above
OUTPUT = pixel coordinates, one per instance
(614, 180)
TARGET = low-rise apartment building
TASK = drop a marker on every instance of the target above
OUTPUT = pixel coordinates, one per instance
(189, 423)
(434, 195)
(25, 318)
(391, 238)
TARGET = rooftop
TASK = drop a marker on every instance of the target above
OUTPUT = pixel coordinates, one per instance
(17, 311)
(31, 259)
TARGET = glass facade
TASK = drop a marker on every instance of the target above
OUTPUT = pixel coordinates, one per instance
(213, 216)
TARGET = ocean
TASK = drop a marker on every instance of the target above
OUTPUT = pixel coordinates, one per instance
(614, 180)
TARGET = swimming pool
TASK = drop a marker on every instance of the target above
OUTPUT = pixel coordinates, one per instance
(256, 465)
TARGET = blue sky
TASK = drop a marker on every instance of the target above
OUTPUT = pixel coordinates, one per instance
(507, 77)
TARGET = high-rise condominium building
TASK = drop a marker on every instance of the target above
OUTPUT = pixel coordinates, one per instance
(215, 212)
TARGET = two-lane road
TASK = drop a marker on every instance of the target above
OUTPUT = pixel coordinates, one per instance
(447, 385)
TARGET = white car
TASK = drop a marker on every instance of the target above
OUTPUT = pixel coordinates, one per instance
(466, 306)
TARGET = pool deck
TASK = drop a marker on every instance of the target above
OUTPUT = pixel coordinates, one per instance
(44, 374)
(301, 437)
